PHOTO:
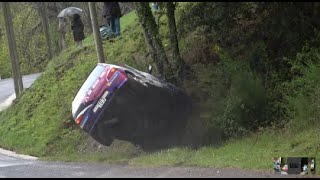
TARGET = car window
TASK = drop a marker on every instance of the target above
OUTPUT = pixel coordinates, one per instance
(86, 86)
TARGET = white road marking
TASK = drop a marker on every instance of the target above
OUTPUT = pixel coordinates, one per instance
(7, 102)
(14, 154)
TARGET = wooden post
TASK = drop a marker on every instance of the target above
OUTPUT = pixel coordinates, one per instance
(45, 25)
(96, 32)
(18, 85)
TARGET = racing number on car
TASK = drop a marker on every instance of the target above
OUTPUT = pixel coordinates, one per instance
(101, 101)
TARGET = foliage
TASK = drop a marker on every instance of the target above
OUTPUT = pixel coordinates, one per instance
(29, 39)
(302, 93)
(153, 39)
(265, 35)
(5, 66)
(233, 97)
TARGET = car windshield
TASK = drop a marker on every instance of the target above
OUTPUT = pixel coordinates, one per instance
(86, 86)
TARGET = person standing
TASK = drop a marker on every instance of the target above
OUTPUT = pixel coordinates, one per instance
(77, 29)
(112, 13)
(155, 6)
(312, 167)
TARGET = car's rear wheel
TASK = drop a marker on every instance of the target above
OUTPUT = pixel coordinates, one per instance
(103, 134)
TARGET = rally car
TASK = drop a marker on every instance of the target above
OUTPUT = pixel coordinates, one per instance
(117, 102)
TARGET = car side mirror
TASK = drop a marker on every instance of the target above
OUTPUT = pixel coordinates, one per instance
(150, 69)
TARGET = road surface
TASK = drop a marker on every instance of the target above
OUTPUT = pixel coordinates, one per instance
(14, 165)
(7, 93)
(11, 167)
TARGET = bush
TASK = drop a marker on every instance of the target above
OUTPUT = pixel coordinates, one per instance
(197, 47)
(267, 35)
(232, 96)
(303, 92)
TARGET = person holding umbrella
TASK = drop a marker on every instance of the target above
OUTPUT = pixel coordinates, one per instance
(76, 23)
(77, 29)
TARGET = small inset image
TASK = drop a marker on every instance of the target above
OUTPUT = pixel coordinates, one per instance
(294, 165)
(308, 165)
(277, 164)
(284, 169)
(304, 166)
(313, 165)
(284, 166)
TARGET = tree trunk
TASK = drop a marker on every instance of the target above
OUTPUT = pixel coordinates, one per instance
(96, 32)
(152, 38)
(66, 4)
(151, 47)
(62, 37)
(45, 25)
(55, 8)
(18, 85)
(55, 12)
(86, 14)
(179, 64)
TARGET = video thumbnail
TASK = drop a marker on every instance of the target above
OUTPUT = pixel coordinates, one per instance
(294, 165)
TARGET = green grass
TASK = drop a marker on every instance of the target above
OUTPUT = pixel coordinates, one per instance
(130, 49)
(254, 152)
(127, 20)
(118, 152)
(35, 122)
(39, 121)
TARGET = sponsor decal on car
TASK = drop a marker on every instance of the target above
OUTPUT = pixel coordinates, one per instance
(89, 92)
(96, 83)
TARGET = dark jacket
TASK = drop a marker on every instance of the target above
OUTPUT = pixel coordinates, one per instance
(111, 9)
(77, 28)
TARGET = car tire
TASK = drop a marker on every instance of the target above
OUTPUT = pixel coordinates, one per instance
(103, 135)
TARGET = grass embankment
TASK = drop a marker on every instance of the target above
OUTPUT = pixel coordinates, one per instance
(254, 152)
(39, 123)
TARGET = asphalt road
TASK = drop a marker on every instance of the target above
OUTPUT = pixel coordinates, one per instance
(20, 166)
(11, 167)
(7, 86)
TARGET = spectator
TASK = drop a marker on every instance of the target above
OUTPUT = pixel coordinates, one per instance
(112, 13)
(312, 166)
(77, 29)
(155, 6)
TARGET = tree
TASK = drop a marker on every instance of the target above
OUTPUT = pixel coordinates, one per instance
(53, 10)
(96, 33)
(45, 25)
(152, 38)
(179, 64)
(18, 85)
(86, 14)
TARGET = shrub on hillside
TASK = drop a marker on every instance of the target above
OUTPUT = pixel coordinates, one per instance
(303, 92)
(232, 96)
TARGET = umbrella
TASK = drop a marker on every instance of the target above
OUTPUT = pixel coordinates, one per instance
(70, 11)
